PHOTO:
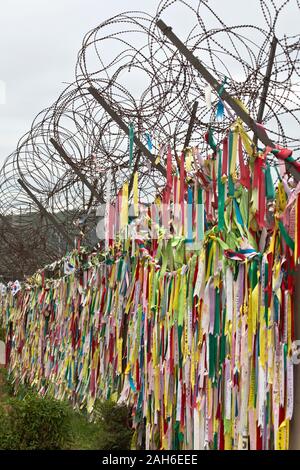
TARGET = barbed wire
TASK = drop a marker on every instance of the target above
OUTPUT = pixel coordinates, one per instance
(150, 85)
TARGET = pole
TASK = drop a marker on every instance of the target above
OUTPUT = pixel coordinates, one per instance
(264, 93)
(239, 111)
(167, 30)
(98, 97)
(50, 217)
(76, 170)
(137, 160)
(265, 89)
(191, 125)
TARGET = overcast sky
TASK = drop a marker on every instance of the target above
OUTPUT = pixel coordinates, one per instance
(39, 41)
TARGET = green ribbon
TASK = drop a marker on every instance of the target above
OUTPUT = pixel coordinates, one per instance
(212, 344)
(200, 215)
(182, 300)
(230, 180)
(270, 192)
(290, 243)
(179, 253)
(217, 313)
(222, 87)
(253, 274)
(221, 195)
(238, 214)
(211, 140)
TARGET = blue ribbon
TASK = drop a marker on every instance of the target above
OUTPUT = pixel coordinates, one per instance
(149, 141)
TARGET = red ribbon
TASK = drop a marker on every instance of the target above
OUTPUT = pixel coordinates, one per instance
(244, 169)
(283, 154)
(298, 225)
(169, 169)
(259, 182)
(225, 157)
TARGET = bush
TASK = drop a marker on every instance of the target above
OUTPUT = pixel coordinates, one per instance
(114, 427)
(7, 387)
(29, 422)
(35, 423)
(6, 436)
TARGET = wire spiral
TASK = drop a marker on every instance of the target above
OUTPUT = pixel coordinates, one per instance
(148, 83)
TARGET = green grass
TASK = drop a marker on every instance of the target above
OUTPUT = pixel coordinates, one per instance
(84, 434)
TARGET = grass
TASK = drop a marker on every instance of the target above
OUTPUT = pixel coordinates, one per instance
(85, 434)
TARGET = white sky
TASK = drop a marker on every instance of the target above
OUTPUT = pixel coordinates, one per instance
(39, 41)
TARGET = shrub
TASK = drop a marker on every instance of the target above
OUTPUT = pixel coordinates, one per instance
(29, 422)
(35, 423)
(7, 386)
(6, 437)
(114, 427)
